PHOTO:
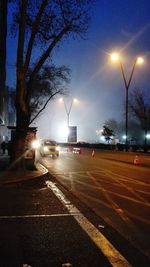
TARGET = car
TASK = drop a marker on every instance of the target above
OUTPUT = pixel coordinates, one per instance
(49, 148)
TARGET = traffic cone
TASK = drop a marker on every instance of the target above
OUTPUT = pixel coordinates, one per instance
(79, 150)
(93, 153)
(136, 160)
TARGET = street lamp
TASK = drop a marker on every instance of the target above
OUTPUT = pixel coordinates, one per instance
(115, 57)
(68, 110)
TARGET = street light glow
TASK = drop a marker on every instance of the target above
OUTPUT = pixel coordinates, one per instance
(148, 136)
(75, 100)
(115, 57)
(140, 60)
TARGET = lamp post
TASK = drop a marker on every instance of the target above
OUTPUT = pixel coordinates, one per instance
(139, 60)
(68, 110)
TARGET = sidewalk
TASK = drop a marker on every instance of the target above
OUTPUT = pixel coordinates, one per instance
(13, 176)
(37, 229)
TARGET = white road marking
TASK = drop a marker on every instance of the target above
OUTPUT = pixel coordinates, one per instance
(114, 257)
(130, 225)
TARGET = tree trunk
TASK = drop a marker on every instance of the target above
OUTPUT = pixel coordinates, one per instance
(18, 146)
(3, 34)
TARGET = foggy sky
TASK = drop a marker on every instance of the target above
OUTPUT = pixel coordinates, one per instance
(95, 82)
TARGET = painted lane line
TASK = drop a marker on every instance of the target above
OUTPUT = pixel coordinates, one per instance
(35, 216)
(139, 199)
(114, 257)
(136, 236)
(123, 177)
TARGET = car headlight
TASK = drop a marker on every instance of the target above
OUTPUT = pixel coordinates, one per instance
(45, 148)
(35, 144)
(57, 148)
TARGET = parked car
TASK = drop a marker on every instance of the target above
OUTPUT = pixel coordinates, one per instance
(49, 148)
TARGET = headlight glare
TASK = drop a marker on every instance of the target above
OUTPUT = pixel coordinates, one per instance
(45, 148)
(35, 144)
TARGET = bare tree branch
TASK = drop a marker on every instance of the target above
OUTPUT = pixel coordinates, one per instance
(47, 53)
(34, 32)
(44, 106)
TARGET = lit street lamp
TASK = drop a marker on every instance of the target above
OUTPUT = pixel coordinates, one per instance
(139, 60)
(68, 110)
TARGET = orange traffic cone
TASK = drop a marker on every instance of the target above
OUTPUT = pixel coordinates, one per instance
(93, 153)
(79, 150)
(136, 160)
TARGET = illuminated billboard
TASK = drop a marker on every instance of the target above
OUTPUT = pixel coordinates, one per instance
(72, 135)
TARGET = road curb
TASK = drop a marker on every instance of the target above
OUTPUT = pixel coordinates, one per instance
(39, 178)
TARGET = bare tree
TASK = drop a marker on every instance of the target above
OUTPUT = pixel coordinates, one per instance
(107, 133)
(113, 125)
(140, 108)
(47, 84)
(118, 129)
(41, 25)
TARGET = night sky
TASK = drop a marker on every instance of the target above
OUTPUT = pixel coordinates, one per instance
(117, 25)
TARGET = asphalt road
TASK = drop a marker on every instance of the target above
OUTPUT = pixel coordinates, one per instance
(92, 211)
(114, 188)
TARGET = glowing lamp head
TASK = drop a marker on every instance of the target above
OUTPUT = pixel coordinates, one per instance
(115, 57)
(75, 100)
(148, 136)
(140, 60)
